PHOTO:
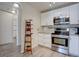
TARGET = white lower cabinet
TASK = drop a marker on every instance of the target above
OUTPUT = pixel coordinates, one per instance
(45, 40)
(74, 45)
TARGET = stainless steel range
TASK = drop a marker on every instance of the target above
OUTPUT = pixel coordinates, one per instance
(60, 44)
(60, 38)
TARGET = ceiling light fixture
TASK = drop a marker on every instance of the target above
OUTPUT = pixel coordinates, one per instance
(16, 5)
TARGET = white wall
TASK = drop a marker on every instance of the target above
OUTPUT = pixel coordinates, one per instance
(15, 29)
(29, 12)
(5, 27)
(19, 27)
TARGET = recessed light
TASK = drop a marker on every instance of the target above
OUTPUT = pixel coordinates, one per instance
(53, 2)
(50, 4)
(16, 5)
(13, 11)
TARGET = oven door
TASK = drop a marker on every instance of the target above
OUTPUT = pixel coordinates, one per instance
(60, 42)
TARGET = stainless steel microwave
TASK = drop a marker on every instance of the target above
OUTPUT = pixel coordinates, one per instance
(61, 21)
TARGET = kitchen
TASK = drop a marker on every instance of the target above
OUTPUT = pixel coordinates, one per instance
(59, 30)
(46, 29)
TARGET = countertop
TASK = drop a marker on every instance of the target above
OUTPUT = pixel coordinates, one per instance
(42, 32)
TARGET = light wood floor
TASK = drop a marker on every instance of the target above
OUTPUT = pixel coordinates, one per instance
(11, 51)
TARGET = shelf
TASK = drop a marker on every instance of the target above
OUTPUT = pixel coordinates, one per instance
(28, 22)
(27, 42)
(28, 35)
(28, 46)
(28, 38)
(29, 28)
(28, 49)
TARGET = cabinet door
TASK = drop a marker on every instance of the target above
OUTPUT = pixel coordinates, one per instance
(44, 18)
(74, 45)
(51, 15)
(74, 14)
(47, 18)
(45, 40)
(40, 38)
(50, 18)
(62, 12)
(65, 12)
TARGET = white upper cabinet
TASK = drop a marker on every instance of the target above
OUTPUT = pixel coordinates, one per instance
(70, 11)
(50, 18)
(74, 14)
(44, 18)
(62, 12)
(47, 18)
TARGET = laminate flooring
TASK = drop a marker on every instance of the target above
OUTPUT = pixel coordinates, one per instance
(9, 50)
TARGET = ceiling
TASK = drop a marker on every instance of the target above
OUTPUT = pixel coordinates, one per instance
(40, 6)
(6, 6)
(44, 6)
